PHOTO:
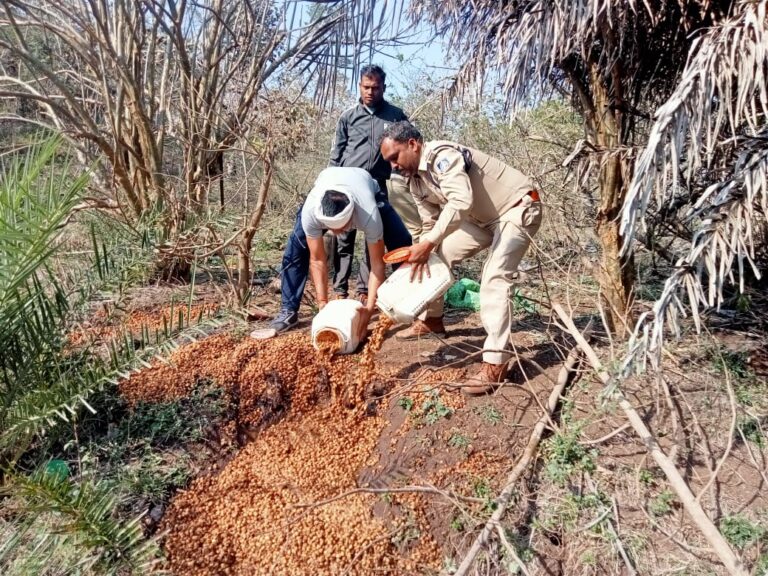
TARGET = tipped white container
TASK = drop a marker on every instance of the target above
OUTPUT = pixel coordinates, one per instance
(403, 300)
(342, 318)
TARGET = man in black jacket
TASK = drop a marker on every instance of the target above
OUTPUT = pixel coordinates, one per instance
(357, 145)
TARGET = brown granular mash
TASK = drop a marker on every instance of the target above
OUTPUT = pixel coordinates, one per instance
(264, 512)
(103, 328)
(328, 342)
(248, 519)
(368, 360)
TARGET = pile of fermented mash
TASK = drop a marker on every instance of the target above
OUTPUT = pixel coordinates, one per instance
(266, 511)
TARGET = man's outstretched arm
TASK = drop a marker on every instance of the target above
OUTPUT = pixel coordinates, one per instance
(318, 269)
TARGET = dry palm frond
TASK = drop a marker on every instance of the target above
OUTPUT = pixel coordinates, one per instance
(722, 100)
(344, 35)
(531, 44)
(616, 59)
(723, 89)
(729, 213)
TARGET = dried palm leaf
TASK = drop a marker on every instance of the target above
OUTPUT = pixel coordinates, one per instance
(722, 100)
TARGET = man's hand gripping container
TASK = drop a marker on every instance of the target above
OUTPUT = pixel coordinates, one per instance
(339, 318)
(403, 300)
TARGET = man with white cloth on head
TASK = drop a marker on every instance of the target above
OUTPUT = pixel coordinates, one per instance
(342, 199)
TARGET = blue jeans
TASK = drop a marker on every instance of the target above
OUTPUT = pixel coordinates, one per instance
(295, 268)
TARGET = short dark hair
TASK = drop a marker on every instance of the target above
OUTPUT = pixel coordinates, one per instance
(402, 132)
(373, 70)
(333, 202)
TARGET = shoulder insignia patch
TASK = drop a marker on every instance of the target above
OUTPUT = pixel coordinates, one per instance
(442, 165)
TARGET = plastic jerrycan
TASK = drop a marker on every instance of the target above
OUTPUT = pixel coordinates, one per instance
(342, 318)
(403, 300)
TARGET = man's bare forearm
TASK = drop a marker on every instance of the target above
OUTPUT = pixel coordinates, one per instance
(374, 281)
(318, 272)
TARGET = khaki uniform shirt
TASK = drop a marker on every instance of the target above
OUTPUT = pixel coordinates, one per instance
(446, 192)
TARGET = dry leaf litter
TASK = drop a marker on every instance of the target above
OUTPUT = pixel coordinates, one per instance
(263, 512)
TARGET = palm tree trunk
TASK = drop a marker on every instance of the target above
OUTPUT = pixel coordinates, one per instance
(616, 273)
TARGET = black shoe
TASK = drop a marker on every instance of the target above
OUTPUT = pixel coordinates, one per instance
(286, 320)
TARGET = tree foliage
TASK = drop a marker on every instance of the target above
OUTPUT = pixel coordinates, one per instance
(153, 93)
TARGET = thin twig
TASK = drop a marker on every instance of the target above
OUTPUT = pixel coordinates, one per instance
(672, 407)
(732, 563)
(595, 522)
(401, 490)
(731, 435)
(367, 547)
(613, 531)
(511, 549)
(502, 501)
(760, 469)
(695, 551)
(608, 436)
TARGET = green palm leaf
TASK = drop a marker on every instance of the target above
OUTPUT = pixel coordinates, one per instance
(60, 527)
(34, 204)
(78, 516)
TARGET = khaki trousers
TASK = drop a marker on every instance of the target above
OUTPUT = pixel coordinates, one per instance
(401, 200)
(507, 240)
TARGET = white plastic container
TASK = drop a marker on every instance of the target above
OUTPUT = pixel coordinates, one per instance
(403, 300)
(341, 317)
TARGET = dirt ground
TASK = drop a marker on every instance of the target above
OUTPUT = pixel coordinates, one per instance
(399, 479)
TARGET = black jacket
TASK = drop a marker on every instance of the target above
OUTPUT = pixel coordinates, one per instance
(357, 138)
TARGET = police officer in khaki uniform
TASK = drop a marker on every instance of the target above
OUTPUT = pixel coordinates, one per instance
(468, 201)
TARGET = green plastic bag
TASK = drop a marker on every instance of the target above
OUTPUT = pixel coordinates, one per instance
(464, 295)
(58, 469)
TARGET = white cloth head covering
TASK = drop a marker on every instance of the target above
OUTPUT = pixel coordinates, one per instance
(341, 219)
